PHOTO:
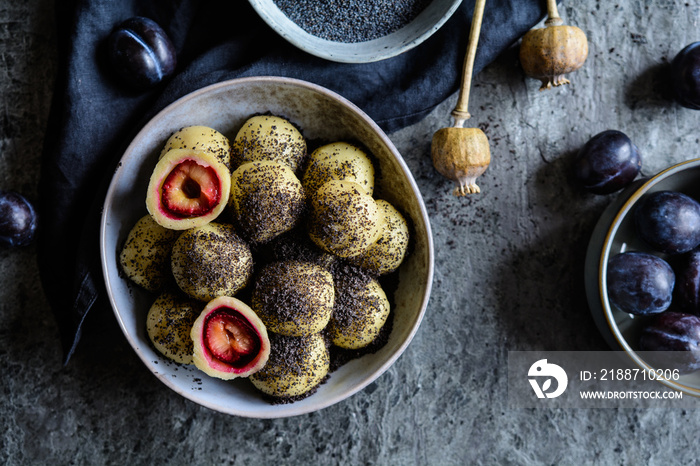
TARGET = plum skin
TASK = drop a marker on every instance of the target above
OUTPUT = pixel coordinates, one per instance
(685, 76)
(141, 53)
(640, 283)
(687, 290)
(676, 333)
(18, 219)
(668, 221)
(608, 162)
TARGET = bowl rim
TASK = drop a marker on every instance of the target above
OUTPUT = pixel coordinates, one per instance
(424, 218)
(380, 49)
(603, 268)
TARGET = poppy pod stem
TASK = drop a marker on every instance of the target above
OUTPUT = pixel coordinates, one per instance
(553, 14)
(461, 112)
(462, 154)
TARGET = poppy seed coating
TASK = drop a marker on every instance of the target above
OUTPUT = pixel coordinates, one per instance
(344, 221)
(361, 310)
(211, 261)
(146, 253)
(169, 322)
(294, 298)
(267, 137)
(338, 161)
(267, 200)
(387, 253)
(297, 365)
(200, 138)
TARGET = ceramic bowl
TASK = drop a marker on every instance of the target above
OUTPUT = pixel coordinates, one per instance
(320, 114)
(615, 233)
(418, 30)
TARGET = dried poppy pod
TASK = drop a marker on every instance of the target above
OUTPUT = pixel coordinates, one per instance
(551, 52)
(462, 154)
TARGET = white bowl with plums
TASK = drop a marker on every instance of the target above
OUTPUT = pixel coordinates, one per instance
(265, 248)
(643, 275)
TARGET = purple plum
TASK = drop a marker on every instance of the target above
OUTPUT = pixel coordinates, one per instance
(18, 219)
(640, 283)
(668, 221)
(608, 162)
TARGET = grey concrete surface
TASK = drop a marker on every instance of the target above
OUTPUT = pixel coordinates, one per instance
(508, 276)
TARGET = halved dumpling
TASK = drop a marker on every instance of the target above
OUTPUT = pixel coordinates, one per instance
(188, 188)
(229, 339)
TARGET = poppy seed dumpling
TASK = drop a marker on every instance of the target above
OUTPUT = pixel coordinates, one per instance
(200, 138)
(211, 261)
(361, 310)
(297, 365)
(387, 253)
(344, 220)
(294, 298)
(268, 137)
(145, 256)
(267, 200)
(169, 323)
(338, 161)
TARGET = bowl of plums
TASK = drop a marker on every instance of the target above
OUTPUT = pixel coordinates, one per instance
(643, 275)
(265, 248)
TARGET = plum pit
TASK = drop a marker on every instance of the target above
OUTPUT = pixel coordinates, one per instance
(190, 190)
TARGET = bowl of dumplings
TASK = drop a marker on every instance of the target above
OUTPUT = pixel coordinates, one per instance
(265, 248)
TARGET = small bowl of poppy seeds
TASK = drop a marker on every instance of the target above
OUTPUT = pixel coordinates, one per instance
(355, 31)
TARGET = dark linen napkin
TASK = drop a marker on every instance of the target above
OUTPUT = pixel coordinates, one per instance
(93, 117)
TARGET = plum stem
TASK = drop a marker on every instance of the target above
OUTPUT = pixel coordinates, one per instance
(461, 112)
(553, 12)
